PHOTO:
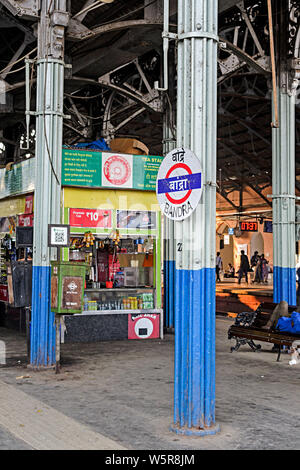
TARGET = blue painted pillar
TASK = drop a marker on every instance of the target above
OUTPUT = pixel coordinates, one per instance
(284, 243)
(49, 122)
(169, 143)
(194, 391)
(169, 274)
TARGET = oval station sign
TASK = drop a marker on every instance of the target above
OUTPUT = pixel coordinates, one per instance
(179, 184)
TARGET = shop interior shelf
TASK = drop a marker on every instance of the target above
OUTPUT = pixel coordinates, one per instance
(118, 312)
(119, 289)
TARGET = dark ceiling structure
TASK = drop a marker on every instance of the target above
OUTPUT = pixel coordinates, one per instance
(115, 50)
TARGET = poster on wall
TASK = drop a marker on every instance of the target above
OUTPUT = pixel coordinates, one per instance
(92, 218)
(145, 170)
(144, 220)
(3, 293)
(72, 292)
(25, 220)
(29, 204)
(81, 168)
(8, 224)
(241, 248)
(226, 239)
(268, 226)
(19, 179)
(4, 225)
(143, 326)
(94, 169)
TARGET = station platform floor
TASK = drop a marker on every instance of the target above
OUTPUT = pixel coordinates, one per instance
(119, 395)
(232, 298)
(233, 285)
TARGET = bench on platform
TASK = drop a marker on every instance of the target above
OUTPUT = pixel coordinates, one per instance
(260, 325)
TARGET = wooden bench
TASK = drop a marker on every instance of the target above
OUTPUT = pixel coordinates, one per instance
(260, 325)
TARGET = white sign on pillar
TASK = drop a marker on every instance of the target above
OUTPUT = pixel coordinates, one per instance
(179, 184)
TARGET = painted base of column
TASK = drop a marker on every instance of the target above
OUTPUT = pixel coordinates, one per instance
(169, 279)
(42, 327)
(196, 432)
(284, 285)
(194, 389)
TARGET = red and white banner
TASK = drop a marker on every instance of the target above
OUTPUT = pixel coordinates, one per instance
(29, 204)
(117, 170)
(91, 218)
(143, 326)
(25, 220)
(3, 293)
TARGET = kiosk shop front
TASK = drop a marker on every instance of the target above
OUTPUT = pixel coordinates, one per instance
(15, 260)
(16, 210)
(116, 233)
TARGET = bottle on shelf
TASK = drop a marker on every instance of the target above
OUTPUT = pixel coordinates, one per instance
(85, 302)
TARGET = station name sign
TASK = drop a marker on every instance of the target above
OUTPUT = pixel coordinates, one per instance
(179, 184)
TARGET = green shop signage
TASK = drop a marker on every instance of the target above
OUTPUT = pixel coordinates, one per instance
(17, 180)
(109, 170)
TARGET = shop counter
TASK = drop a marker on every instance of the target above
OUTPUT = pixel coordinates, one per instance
(119, 312)
(122, 248)
(112, 325)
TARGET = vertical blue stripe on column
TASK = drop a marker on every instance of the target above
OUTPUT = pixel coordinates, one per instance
(284, 285)
(169, 279)
(172, 268)
(42, 334)
(166, 296)
(194, 392)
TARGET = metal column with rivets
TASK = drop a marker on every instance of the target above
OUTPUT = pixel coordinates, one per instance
(284, 170)
(49, 125)
(169, 143)
(194, 394)
(284, 242)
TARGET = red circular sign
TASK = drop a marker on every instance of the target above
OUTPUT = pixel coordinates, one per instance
(185, 198)
(117, 170)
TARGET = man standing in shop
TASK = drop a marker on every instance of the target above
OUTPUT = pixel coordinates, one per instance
(219, 266)
(244, 267)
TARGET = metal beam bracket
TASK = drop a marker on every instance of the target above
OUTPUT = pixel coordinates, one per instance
(198, 35)
(283, 196)
(47, 113)
(168, 35)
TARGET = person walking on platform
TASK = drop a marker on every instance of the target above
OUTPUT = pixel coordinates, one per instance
(264, 269)
(258, 271)
(219, 266)
(244, 267)
(255, 265)
(254, 259)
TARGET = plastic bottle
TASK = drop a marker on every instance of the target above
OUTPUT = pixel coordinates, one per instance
(85, 302)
